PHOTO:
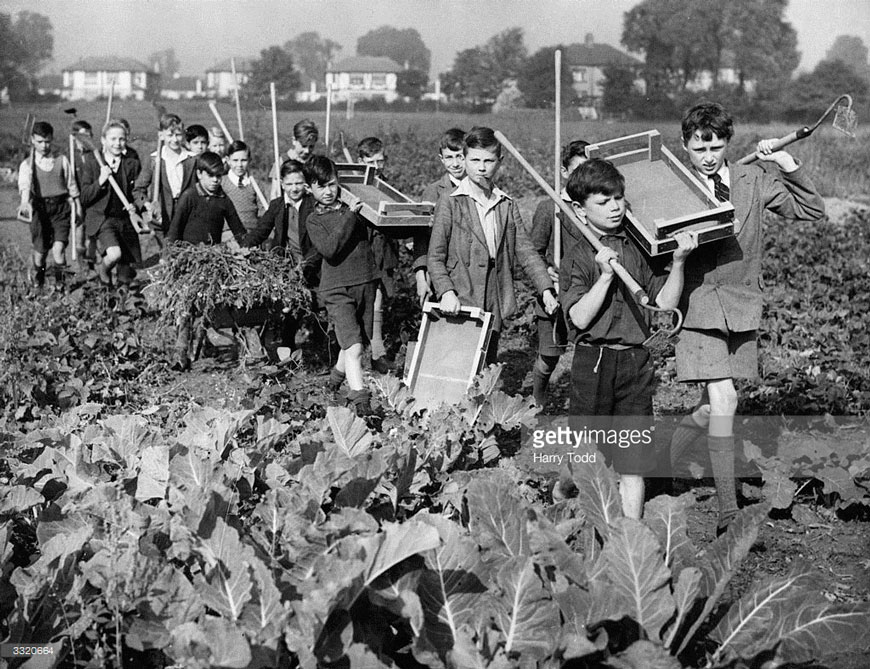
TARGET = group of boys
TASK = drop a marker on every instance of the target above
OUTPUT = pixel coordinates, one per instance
(468, 258)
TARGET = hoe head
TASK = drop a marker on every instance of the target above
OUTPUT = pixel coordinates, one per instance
(844, 117)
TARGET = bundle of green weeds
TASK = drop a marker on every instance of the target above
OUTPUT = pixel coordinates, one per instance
(200, 279)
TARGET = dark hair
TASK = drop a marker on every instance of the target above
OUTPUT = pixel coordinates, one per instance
(453, 139)
(43, 129)
(209, 161)
(707, 118)
(480, 137)
(194, 131)
(291, 166)
(125, 123)
(168, 120)
(319, 170)
(78, 125)
(305, 132)
(572, 149)
(595, 177)
(238, 145)
(369, 147)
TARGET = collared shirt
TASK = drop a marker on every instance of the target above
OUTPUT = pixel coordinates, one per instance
(114, 162)
(724, 173)
(492, 228)
(238, 181)
(46, 164)
(174, 170)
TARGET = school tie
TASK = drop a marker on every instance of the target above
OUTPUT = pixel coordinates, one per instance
(720, 190)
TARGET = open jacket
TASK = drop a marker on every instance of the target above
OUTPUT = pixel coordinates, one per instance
(723, 284)
(96, 198)
(459, 258)
(143, 190)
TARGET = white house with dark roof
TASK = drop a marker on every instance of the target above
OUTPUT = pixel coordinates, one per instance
(588, 61)
(219, 77)
(363, 77)
(91, 78)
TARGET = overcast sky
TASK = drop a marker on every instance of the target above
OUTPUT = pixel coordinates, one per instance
(205, 31)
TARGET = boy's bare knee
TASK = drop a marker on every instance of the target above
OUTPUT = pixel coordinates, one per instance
(113, 254)
(723, 399)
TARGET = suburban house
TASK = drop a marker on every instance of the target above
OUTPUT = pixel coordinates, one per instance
(588, 61)
(363, 77)
(91, 78)
(728, 76)
(182, 88)
(219, 81)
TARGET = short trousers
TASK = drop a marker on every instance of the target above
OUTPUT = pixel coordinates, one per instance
(552, 335)
(51, 222)
(616, 387)
(351, 310)
(705, 355)
(120, 232)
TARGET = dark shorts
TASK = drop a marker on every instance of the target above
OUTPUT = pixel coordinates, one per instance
(351, 310)
(552, 335)
(618, 387)
(51, 222)
(120, 232)
(705, 355)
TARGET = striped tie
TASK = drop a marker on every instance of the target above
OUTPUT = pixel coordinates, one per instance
(720, 190)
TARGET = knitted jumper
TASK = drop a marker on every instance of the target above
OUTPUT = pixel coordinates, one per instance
(244, 200)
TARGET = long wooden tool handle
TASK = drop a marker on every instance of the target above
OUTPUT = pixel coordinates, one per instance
(72, 211)
(557, 229)
(238, 104)
(135, 219)
(633, 286)
(158, 177)
(220, 122)
(109, 102)
(780, 143)
(276, 179)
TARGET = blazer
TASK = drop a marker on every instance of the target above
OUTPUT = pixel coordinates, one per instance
(95, 197)
(459, 258)
(143, 189)
(432, 193)
(274, 219)
(723, 285)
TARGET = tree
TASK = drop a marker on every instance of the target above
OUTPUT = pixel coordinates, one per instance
(479, 74)
(25, 45)
(537, 79)
(681, 38)
(166, 62)
(312, 54)
(810, 94)
(851, 50)
(619, 93)
(403, 46)
(274, 65)
(411, 84)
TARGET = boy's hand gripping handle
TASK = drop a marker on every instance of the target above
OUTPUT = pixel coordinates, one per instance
(633, 286)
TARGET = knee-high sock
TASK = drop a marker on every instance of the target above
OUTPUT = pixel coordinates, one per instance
(378, 348)
(722, 461)
(687, 432)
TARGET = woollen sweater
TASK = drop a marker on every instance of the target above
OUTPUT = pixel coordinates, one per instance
(244, 199)
(342, 238)
(199, 217)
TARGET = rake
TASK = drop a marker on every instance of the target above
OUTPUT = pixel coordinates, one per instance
(844, 121)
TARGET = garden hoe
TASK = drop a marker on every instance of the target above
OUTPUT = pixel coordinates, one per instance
(844, 121)
(655, 340)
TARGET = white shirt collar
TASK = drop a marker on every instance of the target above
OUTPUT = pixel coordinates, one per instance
(464, 188)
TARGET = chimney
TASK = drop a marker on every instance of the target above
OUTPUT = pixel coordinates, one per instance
(589, 39)
(407, 66)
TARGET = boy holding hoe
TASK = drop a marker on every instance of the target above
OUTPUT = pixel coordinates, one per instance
(722, 299)
(612, 373)
(477, 239)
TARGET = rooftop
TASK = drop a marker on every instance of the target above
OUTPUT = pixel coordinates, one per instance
(365, 64)
(108, 64)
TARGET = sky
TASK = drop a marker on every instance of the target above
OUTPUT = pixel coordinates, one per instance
(203, 32)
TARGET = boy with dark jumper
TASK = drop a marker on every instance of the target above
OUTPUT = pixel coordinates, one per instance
(477, 239)
(48, 189)
(612, 374)
(348, 275)
(722, 300)
(552, 329)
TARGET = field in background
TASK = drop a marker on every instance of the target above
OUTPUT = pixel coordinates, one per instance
(839, 165)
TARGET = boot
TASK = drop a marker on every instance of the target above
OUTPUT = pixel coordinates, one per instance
(360, 402)
(39, 276)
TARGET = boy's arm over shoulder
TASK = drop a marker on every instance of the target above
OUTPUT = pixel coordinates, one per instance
(439, 244)
(330, 231)
(542, 226)
(232, 218)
